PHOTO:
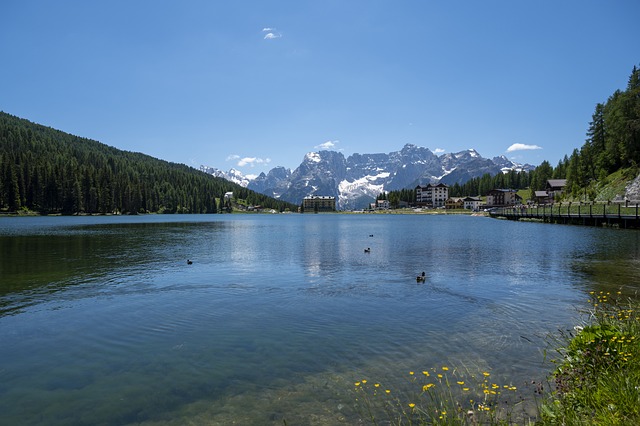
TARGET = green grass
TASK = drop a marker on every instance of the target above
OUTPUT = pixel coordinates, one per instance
(525, 194)
(612, 186)
(597, 379)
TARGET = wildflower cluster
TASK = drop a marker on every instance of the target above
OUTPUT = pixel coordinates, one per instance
(610, 340)
(436, 396)
(603, 355)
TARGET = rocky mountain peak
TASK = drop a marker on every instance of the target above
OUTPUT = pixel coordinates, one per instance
(356, 181)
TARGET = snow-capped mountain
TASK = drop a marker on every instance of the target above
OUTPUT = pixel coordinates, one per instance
(356, 181)
(232, 175)
(507, 165)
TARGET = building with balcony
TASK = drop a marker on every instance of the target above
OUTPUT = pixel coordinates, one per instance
(432, 195)
(319, 203)
(503, 197)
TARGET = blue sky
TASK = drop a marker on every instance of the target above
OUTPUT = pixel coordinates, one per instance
(258, 84)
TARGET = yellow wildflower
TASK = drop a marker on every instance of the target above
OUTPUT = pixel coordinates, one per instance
(485, 374)
(377, 385)
(411, 373)
(426, 373)
(364, 381)
(445, 368)
(411, 405)
(461, 383)
(387, 391)
(357, 383)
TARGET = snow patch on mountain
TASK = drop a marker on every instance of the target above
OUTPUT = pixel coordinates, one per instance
(313, 157)
(353, 194)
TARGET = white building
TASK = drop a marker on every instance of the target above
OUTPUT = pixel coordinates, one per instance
(472, 203)
(432, 195)
(382, 204)
(322, 203)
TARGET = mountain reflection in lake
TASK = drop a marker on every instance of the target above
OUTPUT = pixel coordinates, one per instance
(102, 321)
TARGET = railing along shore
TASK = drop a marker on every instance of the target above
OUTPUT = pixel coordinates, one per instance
(624, 214)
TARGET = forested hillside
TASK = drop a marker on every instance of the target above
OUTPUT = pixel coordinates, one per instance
(613, 140)
(49, 171)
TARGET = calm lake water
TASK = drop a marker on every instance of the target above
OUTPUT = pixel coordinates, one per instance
(103, 322)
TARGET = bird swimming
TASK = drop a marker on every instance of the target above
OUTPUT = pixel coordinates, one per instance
(421, 278)
(189, 262)
(367, 250)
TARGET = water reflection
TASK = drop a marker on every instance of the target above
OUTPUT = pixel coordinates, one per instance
(277, 314)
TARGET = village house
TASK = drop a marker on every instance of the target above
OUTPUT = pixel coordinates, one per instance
(432, 195)
(469, 203)
(555, 187)
(472, 203)
(542, 197)
(320, 203)
(454, 203)
(503, 197)
(380, 205)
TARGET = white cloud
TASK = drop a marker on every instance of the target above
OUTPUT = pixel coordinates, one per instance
(522, 147)
(271, 33)
(247, 161)
(438, 151)
(252, 161)
(326, 145)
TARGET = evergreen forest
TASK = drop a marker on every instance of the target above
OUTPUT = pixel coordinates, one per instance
(52, 172)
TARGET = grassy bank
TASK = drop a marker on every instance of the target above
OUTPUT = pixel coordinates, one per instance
(595, 380)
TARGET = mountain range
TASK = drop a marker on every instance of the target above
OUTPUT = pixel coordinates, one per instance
(356, 180)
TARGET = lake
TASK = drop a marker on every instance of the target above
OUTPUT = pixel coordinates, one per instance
(103, 321)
